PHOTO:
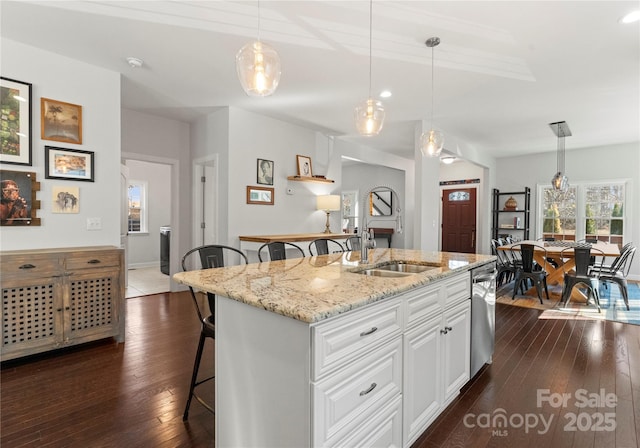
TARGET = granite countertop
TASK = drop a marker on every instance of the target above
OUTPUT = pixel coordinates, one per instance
(311, 289)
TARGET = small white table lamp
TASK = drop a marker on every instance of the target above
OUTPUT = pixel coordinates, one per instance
(328, 203)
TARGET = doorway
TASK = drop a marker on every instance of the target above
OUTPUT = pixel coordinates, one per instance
(459, 220)
(153, 209)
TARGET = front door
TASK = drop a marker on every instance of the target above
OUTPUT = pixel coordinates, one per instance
(459, 220)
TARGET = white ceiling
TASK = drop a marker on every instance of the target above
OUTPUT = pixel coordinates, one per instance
(504, 69)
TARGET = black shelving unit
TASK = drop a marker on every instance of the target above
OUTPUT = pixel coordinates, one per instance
(504, 221)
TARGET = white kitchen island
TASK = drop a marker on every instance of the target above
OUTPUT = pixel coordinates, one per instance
(311, 353)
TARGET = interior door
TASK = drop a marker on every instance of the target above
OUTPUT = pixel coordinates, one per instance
(124, 221)
(459, 220)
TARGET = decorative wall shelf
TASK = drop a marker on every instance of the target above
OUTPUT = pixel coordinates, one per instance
(310, 179)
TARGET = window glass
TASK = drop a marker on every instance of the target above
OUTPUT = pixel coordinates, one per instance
(459, 196)
(586, 211)
(137, 213)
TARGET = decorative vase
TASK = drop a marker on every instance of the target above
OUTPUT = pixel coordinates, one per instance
(511, 204)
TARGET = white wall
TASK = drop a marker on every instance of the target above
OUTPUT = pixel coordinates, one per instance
(582, 165)
(98, 92)
(144, 248)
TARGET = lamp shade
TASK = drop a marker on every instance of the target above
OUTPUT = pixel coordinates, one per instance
(431, 143)
(328, 202)
(258, 67)
(369, 117)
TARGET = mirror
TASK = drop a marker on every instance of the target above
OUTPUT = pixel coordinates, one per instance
(381, 203)
(260, 195)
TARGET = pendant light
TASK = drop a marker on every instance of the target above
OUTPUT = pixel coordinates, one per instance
(432, 142)
(369, 115)
(560, 182)
(258, 67)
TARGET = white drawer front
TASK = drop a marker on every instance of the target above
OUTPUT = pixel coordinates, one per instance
(383, 430)
(343, 339)
(346, 400)
(457, 289)
(423, 304)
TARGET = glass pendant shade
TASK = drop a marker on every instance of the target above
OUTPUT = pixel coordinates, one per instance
(258, 67)
(369, 117)
(560, 182)
(431, 143)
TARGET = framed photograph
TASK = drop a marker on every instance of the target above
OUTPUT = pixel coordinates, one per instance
(70, 164)
(15, 122)
(265, 172)
(19, 205)
(65, 199)
(304, 166)
(60, 121)
(260, 195)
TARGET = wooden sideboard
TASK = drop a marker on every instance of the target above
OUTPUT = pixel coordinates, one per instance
(54, 298)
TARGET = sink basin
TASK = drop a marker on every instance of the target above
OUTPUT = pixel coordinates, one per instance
(403, 267)
(384, 273)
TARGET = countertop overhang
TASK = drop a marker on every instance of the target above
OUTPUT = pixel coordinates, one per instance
(312, 289)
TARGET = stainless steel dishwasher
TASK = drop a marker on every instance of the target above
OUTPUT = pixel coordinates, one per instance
(483, 316)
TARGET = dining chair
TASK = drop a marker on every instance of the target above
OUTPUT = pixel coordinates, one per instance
(353, 243)
(617, 273)
(324, 246)
(205, 257)
(278, 250)
(505, 267)
(529, 270)
(581, 274)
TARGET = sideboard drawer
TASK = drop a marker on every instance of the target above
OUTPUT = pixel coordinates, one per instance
(344, 338)
(90, 260)
(29, 266)
(350, 397)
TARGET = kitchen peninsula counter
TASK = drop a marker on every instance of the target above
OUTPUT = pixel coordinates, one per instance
(311, 289)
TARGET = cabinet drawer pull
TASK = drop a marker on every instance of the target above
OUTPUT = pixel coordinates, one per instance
(365, 392)
(27, 266)
(94, 261)
(448, 328)
(444, 331)
(368, 332)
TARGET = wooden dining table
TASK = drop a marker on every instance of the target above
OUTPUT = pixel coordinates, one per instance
(563, 260)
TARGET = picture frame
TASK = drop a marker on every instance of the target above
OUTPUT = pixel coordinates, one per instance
(65, 199)
(260, 195)
(304, 166)
(19, 205)
(60, 121)
(265, 172)
(15, 122)
(68, 164)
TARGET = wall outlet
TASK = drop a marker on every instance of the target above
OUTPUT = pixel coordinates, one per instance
(94, 223)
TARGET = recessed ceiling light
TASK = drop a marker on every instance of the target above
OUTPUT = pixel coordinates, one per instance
(135, 62)
(385, 94)
(632, 17)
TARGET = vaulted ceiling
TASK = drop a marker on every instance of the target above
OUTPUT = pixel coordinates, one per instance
(503, 72)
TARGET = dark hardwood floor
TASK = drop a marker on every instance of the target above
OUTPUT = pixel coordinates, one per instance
(133, 394)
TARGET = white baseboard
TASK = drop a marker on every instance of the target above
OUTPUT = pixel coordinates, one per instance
(149, 264)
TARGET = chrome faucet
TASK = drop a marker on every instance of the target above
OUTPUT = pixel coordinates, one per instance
(367, 237)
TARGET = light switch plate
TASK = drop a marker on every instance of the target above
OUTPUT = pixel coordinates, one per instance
(94, 224)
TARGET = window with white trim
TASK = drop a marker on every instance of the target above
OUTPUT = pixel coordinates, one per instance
(137, 211)
(592, 211)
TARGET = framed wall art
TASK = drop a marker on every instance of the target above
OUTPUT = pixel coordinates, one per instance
(15, 122)
(60, 121)
(304, 166)
(18, 205)
(70, 164)
(65, 199)
(265, 172)
(260, 195)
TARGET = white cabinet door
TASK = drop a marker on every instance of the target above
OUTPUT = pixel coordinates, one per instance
(456, 349)
(422, 377)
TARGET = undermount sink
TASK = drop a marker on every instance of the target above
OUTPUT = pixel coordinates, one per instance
(384, 273)
(402, 267)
